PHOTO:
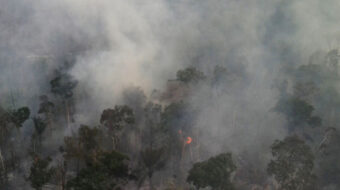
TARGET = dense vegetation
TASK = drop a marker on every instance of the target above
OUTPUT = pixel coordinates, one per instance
(152, 142)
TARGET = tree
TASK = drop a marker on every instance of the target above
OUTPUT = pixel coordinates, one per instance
(152, 160)
(10, 120)
(153, 133)
(115, 119)
(39, 125)
(329, 152)
(304, 90)
(153, 138)
(135, 98)
(292, 164)
(46, 108)
(214, 172)
(39, 128)
(298, 112)
(19, 116)
(62, 86)
(84, 146)
(320, 84)
(190, 75)
(177, 122)
(107, 171)
(60, 173)
(40, 172)
(177, 116)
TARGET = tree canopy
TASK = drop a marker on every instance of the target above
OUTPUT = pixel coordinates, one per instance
(214, 172)
(292, 164)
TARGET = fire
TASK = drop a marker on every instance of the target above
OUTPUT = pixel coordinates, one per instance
(188, 140)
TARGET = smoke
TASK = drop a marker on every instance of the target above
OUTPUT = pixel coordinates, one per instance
(114, 45)
(122, 43)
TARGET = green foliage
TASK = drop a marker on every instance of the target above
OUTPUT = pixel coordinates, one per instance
(329, 165)
(108, 170)
(153, 159)
(45, 105)
(39, 125)
(63, 84)
(154, 137)
(304, 89)
(40, 173)
(115, 163)
(297, 112)
(190, 75)
(315, 73)
(177, 116)
(83, 146)
(153, 132)
(5, 119)
(88, 137)
(36, 140)
(18, 117)
(173, 112)
(10, 140)
(292, 164)
(116, 118)
(9, 118)
(215, 172)
(318, 83)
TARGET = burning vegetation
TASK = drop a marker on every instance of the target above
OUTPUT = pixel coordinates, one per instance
(169, 95)
(143, 148)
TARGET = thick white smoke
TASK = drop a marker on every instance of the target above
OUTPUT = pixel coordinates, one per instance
(115, 44)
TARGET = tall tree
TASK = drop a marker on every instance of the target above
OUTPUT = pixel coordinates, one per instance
(108, 170)
(153, 160)
(328, 158)
(47, 109)
(115, 119)
(292, 164)
(298, 113)
(214, 172)
(41, 172)
(39, 128)
(62, 86)
(153, 154)
(10, 122)
(19, 116)
(82, 147)
(190, 75)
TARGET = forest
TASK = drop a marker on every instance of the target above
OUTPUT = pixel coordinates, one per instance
(169, 95)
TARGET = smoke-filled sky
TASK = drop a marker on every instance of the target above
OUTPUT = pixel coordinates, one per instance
(115, 44)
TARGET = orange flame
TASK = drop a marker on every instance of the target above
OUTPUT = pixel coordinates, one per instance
(188, 140)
